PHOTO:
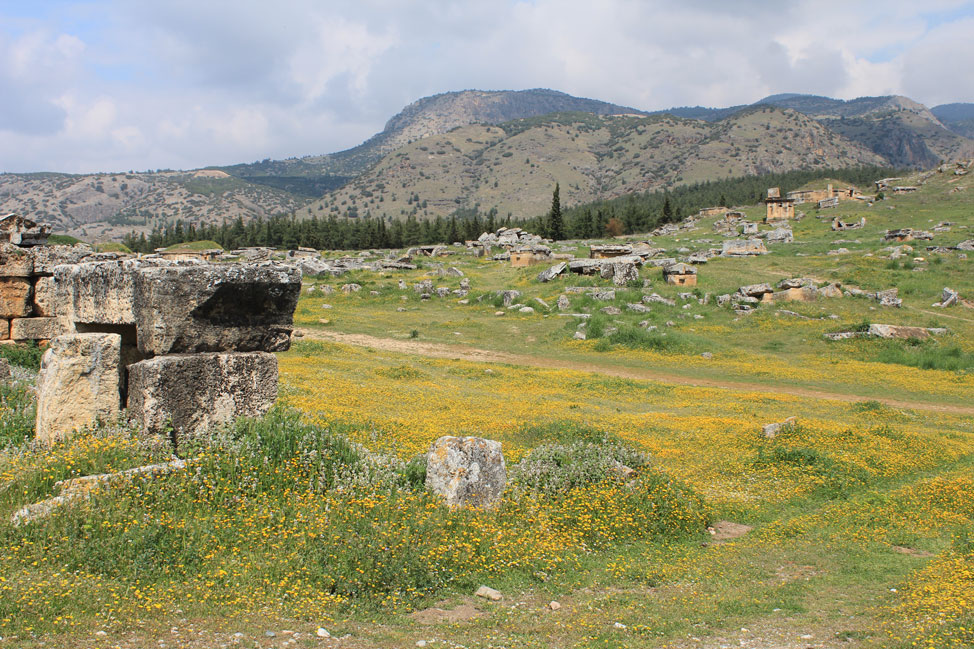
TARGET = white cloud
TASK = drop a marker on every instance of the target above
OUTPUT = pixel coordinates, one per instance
(234, 81)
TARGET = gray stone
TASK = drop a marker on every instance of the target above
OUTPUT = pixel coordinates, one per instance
(638, 308)
(563, 303)
(466, 471)
(553, 272)
(15, 261)
(186, 394)
(442, 291)
(611, 310)
(780, 235)
(526, 309)
(78, 383)
(351, 288)
(489, 594)
(603, 295)
(771, 430)
(210, 307)
(47, 257)
(509, 296)
(97, 292)
(743, 248)
(623, 273)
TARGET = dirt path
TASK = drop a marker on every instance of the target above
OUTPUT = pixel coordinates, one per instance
(462, 352)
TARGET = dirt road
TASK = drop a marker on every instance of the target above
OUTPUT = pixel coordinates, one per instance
(463, 352)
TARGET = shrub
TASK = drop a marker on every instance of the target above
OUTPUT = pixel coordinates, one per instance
(557, 468)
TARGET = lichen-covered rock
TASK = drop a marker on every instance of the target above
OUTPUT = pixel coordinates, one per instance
(15, 261)
(78, 383)
(215, 307)
(466, 471)
(186, 394)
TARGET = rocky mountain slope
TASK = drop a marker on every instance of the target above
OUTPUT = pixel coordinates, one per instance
(497, 149)
(959, 118)
(514, 166)
(902, 131)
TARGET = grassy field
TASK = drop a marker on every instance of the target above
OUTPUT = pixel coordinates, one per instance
(853, 527)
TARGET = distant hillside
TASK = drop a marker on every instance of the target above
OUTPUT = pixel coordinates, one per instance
(107, 206)
(428, 116)
(902, 131)
(514, 166)
(959, 118)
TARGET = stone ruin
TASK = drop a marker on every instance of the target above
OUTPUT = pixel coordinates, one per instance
(182, 345)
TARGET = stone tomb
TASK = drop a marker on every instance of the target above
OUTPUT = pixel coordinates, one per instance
(192, 342)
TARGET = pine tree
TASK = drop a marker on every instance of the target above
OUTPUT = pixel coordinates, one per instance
(667, 210)
(556, 227)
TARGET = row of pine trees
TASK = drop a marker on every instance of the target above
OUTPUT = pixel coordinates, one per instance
(629, 214)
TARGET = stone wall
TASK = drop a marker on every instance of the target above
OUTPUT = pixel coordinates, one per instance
(28, 303)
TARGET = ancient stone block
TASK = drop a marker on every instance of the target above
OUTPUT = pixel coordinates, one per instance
(45, 297)
(15, 295)
(78, 383)
(210, 307)
(97, 292)
(34, 328)
(187, 394)
(45, 258)
(743, 247)
(466, 471)
(4, 329)
(15, 262)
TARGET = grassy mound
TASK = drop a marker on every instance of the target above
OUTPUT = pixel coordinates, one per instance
(195, 246)
(111, 246)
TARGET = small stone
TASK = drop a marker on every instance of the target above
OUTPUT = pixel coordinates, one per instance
(420, 643)
(489, 593)
(498, 313)
(101, 634)
(707, 355)
(579, 335)
(526, 309)
(554, 606)
(321, 632)
(619, 625)
(270, 634)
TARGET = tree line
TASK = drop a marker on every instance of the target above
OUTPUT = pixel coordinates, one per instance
(629, 214)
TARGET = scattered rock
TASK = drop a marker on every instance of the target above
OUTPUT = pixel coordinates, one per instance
(466, 471)
(554, 606)
(489, 593)
(771, 430)
(563, 303)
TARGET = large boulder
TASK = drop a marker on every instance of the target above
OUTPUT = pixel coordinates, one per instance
(623, 273)
(466, 471)
(78, 383)
(211, 307)
(186, 394)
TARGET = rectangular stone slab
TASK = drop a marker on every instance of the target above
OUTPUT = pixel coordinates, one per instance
(187, 394)
(97, 292)
(15, 297)
(78, 383)
(215, 307)
(34, 328)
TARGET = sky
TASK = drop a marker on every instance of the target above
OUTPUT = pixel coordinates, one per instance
(117, 85)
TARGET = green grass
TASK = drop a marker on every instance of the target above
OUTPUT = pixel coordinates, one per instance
(111, 246)
(927, 355)
(196, 246)
(27, 355)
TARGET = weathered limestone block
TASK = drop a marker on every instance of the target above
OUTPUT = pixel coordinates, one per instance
(194, 392)
(624, 273)
(15, 295)
(466, 471)
(45, 297)
(743, 247)
(78, 383)
(15, 262)
(4, 329)
(34, 328)
(47, 257)
(97, 292)
(210, 307)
